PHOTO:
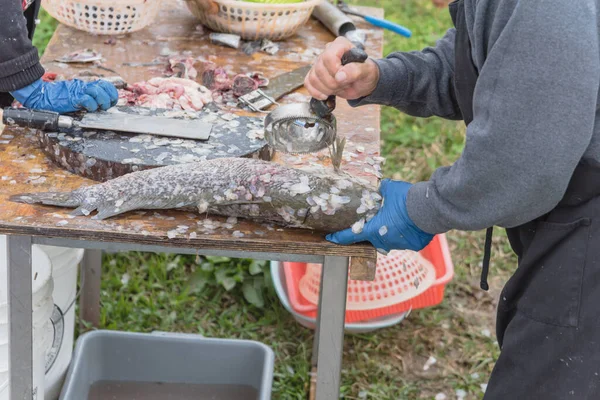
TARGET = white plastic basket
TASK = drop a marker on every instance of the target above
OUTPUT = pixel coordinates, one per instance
(250, 20)
(104, 17)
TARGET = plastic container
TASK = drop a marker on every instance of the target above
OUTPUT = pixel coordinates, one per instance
(43, 305)
(437, 253)
(278, 277)
(253, 21)
(104, 17)
(401, 275)
(169, 358)
(65, 262)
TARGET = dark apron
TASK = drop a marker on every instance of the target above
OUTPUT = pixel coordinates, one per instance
(548, 321)
(31, 14)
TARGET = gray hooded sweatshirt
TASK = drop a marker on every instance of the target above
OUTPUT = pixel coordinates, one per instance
(535, 111)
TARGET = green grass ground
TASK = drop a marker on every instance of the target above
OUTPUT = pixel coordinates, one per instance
(231, 298)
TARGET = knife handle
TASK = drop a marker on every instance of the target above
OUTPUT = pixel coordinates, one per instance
(326, 107)
(35, 119)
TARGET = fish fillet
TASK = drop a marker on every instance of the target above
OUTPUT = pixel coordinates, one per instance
(263, 191)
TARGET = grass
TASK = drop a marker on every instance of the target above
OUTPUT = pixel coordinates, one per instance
(233, 298)
(44, 31)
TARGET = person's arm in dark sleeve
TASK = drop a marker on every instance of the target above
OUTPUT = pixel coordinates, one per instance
(21, 72)
(19, 61)
(534, 116)
(418, 83)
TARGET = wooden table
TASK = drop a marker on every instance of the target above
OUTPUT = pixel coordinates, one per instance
(24, 168)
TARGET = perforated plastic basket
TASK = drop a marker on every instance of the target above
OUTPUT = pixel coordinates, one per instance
(435, 254)
(104, 17)
(253, 21)
(401, 276)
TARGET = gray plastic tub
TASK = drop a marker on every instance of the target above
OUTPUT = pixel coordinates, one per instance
(169, 358)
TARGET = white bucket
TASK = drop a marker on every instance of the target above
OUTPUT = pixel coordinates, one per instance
(65, 262)
(43, 306)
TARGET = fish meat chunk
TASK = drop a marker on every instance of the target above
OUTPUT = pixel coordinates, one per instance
(231, 187)
(216, 78)
(243, 84)
(182, 67)
(170, 93)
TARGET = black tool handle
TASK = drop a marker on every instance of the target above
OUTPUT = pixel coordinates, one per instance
(35, 119)
(324, 108)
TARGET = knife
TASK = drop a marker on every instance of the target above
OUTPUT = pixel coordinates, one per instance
(279, 86)
(143, 124)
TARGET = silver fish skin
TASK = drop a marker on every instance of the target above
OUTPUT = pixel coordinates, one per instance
(305, 197)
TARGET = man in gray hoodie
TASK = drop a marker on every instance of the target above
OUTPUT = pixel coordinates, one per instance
(524, 76)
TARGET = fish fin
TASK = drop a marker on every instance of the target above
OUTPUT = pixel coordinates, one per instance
(79, 211)
(107, 211)
(307, 216)
(62, 199)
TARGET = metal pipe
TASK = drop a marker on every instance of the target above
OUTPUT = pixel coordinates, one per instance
(333, 18)
(337, 22)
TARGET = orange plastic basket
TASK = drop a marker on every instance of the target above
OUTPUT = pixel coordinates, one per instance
(436, 253)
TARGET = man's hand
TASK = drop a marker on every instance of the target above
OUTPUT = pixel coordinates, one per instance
(68, 96)
(391, 228)
(349, 82)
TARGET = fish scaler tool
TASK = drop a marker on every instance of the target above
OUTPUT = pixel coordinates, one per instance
(301, 128)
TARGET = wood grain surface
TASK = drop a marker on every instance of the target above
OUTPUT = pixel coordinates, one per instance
(25, 168)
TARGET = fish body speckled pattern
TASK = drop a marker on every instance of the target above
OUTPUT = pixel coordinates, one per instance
(309, 197)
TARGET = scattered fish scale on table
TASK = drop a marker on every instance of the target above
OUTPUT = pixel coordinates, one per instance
(306, 197)
(80, 56)
(249, 47)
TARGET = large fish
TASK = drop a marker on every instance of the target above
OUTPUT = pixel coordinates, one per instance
(264, 191)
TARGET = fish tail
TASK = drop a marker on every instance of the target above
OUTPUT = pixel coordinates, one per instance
(62, 199)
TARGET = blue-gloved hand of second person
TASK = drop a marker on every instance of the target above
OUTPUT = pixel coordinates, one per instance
(68, 96)
(391, 228)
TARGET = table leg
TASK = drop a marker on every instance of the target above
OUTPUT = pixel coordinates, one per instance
(330, 331)
(20, 338)
(313, 360)
(91, 281)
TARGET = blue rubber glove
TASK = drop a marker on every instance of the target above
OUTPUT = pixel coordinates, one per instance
(67, 96)
(391, 228)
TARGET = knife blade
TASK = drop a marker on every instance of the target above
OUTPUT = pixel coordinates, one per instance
(279, 86)
(142, 124)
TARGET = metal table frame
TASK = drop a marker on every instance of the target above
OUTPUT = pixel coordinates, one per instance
(329, 333)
